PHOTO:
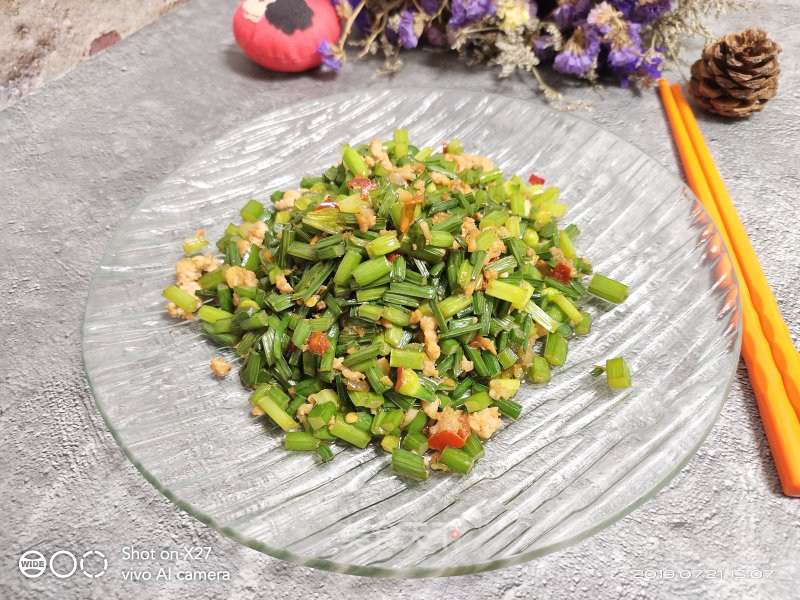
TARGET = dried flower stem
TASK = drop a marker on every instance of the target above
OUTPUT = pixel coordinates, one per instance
(348, 27)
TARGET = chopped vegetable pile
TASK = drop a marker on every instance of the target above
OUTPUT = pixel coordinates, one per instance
(401, 296)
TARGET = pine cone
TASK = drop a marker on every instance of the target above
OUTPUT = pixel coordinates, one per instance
(737, 74)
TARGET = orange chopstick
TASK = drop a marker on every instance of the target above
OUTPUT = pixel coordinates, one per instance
(774, 327)
(780, 421)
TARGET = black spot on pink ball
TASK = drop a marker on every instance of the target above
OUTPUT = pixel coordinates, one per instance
(289, 15)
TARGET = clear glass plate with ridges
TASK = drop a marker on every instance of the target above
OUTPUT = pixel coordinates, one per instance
(580, 457)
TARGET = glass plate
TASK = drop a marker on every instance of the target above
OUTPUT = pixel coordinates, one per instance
(579, 458)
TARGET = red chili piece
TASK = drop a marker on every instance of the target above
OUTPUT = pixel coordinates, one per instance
(535, 180)
(562, 272)
(362, 183)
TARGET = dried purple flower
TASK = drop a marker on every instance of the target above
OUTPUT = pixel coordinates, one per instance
(647, 11)
(405, 30)
(581, 37)
(429, 6)
(625, 51)
(624, 59)
(465, 12)
(643, 11)
(601, 18)
(345, 7)
(650, 65)
(543, 47)
(329, 61)
(621, 38)
(570, 12)
(580, 52)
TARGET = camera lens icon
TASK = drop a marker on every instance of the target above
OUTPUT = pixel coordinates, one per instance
(96, 570)
(70, 570)
(32, 564)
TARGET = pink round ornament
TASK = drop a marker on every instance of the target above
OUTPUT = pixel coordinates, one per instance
(283, 35)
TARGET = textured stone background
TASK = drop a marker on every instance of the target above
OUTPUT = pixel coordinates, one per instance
(41, 40)
(78, 156)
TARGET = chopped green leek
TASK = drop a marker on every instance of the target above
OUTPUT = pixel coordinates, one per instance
(396, 295)
(608, 289)
(618, 374)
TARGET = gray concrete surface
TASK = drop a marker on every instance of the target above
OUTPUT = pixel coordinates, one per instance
(40, 41)
(77, 156)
